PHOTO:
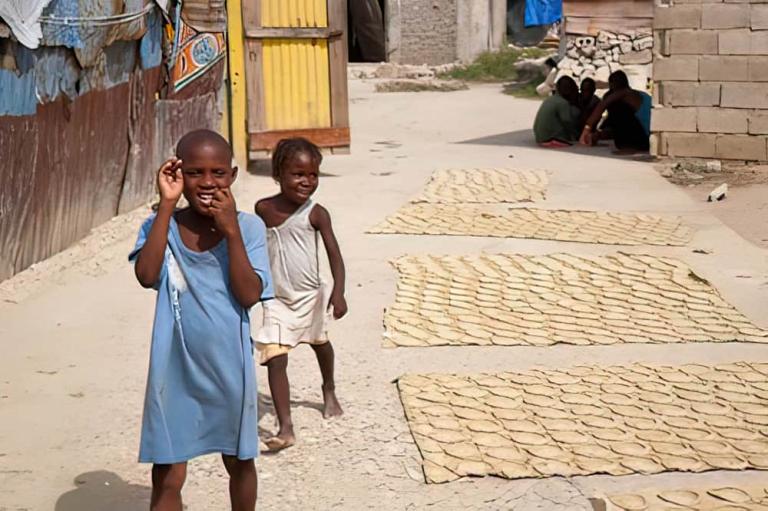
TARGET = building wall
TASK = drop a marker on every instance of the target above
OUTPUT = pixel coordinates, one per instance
(83, 129)
(426, 32)
(443, 31)
(710, 72)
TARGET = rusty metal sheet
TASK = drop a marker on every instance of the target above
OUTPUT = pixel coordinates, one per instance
(175, 118)
(205, 15)
(66, 171)
(18, 174)
(143, 152)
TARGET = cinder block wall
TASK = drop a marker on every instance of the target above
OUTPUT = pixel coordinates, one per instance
(710, 72)
(427, 32)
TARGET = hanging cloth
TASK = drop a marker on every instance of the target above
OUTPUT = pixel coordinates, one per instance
(542, 12)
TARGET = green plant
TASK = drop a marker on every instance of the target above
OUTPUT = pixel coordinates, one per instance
(498, 66)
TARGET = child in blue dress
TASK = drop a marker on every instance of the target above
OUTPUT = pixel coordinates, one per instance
(209, 265)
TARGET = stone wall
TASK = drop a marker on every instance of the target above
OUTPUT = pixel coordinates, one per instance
(438, 32)
(597, 57)
(426, 31)
(710, 71)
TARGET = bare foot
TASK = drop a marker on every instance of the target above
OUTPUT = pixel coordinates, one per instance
(281, 441)
(331, 407)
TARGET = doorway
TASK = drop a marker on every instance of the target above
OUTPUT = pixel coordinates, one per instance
(366, 30)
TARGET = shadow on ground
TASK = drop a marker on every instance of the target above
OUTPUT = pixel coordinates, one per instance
(524, 138)
(104, 491)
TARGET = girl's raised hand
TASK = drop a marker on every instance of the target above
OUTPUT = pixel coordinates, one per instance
(169, 180)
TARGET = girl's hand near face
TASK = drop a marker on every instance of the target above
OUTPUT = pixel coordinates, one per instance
(169, 181)
(224, 212)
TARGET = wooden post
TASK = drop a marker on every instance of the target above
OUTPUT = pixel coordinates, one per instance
(338, 55)
(238, 128)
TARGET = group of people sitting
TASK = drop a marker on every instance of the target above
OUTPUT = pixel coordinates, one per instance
(574, 114)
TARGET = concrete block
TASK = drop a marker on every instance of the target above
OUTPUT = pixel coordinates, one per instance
(735, 42)
(674, 119)
(656, 148)
(759, 43)
(725, 16)
(741, 147)
(691, 145)
(682, 68)
(758, 122)
(636, 57)
(759, 16)
(682, 16)
(722, 120)
(758, 69)
(744, 95)
(722, 68)
(690, 94)
(661, 42)
(693, 42)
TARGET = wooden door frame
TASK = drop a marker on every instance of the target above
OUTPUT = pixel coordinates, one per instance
(261, 140)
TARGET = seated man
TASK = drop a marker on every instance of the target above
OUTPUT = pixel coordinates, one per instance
(556, 123)
(629, 117)
(588, 101)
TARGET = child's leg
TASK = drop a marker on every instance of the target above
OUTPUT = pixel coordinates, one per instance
(277, 369)
(243, 483)
(324, 353)
(167, 481)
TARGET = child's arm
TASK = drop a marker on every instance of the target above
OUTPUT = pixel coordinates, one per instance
(321, 220)
(149, 262)
(246, 284)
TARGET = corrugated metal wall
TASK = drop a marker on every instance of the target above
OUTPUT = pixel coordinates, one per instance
(296, 84)
(294, 13)
(297, 90)
(82, 130)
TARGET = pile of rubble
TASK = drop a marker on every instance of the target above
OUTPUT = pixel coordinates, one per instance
(597, 57)
(388, 71)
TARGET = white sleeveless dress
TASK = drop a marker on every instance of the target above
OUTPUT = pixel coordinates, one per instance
(299, 313)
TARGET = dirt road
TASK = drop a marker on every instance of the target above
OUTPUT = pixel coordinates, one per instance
(74, 333)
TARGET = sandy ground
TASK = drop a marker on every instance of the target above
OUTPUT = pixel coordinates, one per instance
(74, 332)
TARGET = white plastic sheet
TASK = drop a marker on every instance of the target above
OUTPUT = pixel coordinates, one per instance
(23, 16)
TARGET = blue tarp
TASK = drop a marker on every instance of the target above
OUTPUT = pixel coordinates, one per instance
(542, 12)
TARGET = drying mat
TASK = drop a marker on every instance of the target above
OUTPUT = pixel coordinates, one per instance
(508, 299)
(545, 224)
(719, 498)
(589, 420)
(454, 186)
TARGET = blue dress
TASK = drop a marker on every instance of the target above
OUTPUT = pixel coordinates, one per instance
(201, 390)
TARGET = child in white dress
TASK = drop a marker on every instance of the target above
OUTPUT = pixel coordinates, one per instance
(303, 303)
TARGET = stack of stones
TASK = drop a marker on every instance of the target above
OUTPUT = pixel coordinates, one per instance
(597, 57)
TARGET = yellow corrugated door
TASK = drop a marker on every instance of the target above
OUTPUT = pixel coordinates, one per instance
(297, 92)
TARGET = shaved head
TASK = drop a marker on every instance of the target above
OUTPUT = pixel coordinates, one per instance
(203, 138)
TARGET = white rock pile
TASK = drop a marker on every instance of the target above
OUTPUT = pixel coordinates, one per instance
(597, 57)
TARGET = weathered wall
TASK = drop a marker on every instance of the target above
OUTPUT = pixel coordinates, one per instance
(83, 130)
(427, 32)
(711, 80)
(443, 31)
(480, 26)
